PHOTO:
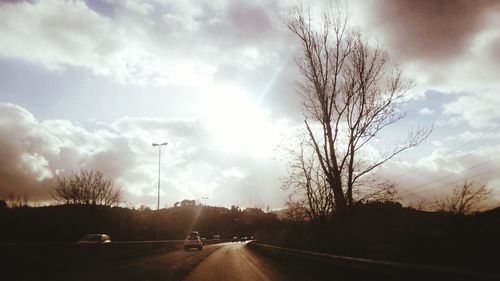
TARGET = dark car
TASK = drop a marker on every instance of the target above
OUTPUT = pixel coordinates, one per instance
(95, 239)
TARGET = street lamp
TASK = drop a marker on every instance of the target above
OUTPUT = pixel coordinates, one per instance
(159, 165)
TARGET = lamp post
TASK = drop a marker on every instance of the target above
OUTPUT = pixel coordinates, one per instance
(158, 208)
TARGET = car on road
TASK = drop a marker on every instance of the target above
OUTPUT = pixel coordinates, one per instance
(216, 237)
(95, 239)
(193, 241)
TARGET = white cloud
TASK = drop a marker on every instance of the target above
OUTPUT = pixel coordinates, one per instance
(38, 165)
(33, 152)
(159, 43)
(478, 109)
(426, 111)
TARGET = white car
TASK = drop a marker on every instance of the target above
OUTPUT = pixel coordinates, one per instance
(193, 241)
(95, 239)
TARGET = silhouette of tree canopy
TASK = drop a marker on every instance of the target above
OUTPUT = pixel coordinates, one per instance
(187, 202)
(379, 230)
(87, 187)
(349, 95)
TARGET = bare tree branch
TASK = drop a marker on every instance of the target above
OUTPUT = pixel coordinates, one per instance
(465, 199)
(87, 187)
(350, 93)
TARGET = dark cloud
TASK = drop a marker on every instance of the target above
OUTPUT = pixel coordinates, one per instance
(250, 20)
(494, 53)
(432, 29)
(101, 7)
(21, 145)
(32, 153)
(241, 23)
(117, 158)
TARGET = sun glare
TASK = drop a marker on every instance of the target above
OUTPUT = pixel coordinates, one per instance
(238, 123)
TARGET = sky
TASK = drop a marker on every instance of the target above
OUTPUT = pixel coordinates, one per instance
(92, 84)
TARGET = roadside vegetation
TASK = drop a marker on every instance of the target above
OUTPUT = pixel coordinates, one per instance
(351, 93)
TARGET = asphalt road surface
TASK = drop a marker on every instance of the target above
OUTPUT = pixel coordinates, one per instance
(236, 262)
(226, 261)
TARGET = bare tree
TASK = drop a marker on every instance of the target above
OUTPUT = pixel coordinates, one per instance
(349, 96)
(17, 201)
(87, 187)
(296, 209)
(465, 199)
(374, 190)
(311, 195)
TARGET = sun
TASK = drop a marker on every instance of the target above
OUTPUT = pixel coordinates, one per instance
(238, 123)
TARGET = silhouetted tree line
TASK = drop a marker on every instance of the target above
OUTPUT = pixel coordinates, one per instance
(68, 223)
(381, 230)
(389, 231)
(13, 200)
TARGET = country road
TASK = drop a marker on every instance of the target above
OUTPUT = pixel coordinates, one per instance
(226, 261)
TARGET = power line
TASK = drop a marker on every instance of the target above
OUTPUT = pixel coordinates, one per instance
(450, 151)
(446, 163)
(450, 183)
(446, 177)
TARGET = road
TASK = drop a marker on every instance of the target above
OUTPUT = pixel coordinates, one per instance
(232, 261)
(236, 262)
(226, 261)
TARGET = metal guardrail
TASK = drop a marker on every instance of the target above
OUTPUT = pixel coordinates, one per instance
(394, 269)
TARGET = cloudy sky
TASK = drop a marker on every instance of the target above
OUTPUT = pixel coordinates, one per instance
(91, 84)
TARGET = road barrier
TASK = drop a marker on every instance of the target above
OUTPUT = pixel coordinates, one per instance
(320, 266)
